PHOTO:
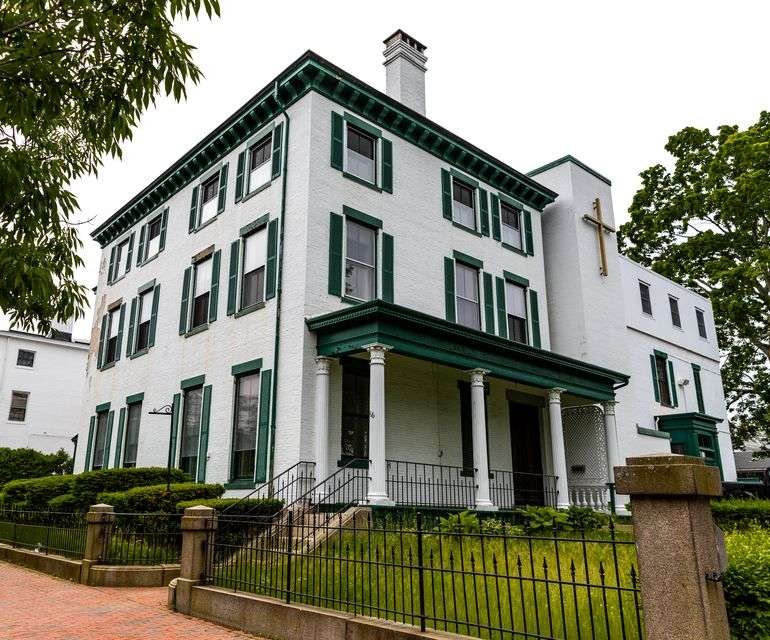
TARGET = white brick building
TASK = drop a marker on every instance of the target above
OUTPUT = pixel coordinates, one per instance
(330, 276)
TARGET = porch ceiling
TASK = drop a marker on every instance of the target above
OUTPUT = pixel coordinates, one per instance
(423, 336)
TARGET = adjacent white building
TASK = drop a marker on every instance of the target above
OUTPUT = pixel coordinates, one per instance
(331, 277)
(42, 386)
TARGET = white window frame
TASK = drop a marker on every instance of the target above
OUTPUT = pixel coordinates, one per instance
(508, 305)
(477, 302)
(242, 268)
(147, 255)
(26, 395)
(345, 259)
(474, 208)
(377, 154)
(25, 367)
(248, 187)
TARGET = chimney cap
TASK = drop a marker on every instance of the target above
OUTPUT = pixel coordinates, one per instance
(401, 35)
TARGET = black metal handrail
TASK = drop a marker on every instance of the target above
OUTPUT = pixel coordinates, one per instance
(286, 486)
(419, 484)
(509, 489)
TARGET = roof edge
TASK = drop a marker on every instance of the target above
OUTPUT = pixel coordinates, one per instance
(573, 160)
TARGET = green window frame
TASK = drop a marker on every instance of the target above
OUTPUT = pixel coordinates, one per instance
(120, 254)
(697, 383)
(662, 370)
(243, 189)
(148, 293)
(382, 151)
(198, 470)
(241, 372)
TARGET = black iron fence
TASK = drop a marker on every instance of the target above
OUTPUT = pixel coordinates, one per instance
(143, 539)
(48, 532)
(288, 486)
(417, 484)
(509, 489)
(486, 578)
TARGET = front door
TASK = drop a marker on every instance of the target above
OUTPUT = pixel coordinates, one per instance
(526, 453)
(355, 409)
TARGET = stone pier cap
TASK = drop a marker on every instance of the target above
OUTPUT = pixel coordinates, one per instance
(667, 474)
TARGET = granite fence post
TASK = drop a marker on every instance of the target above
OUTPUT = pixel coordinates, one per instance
(197, 524)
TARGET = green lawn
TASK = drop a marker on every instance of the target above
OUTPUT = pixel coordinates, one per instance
(484, 586)
(63, 540)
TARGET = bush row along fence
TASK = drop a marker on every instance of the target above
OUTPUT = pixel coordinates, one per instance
(498, 583)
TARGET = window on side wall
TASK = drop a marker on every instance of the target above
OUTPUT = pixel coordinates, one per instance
(246, 423)
(467, 296)
(361, 154)
(201, 292)
(100, 440)
(132, 434)
(121, 260)
(673, 304)
(360, 261)
(254, 259)
(18, 409)
(644, 295)
(510, 220)
(259, 164)
(700, 318)
(145, 312)
(516, 308)
(191, 424)
(25, 358)
(463, 204)
(662, 374)
(209, 203)
(113, 323)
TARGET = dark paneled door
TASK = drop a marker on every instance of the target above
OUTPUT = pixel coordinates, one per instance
(526, 453)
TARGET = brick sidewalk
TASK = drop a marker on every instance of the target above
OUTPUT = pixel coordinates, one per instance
(34, 606)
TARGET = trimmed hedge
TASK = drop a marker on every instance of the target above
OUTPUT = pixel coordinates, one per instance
(64, 502)
(34, 494)
(747, 583)
(737, 513)
(156, 499)
(87, 486)
(257, 507)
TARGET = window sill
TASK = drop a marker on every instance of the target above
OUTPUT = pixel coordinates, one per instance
(349, 300)
(109, 365)
(247, 310)
(353, 463)
(116, 280)
(21, 366)
(510, 247)
(139, 353)
(18, 423)
(240, 484)
(150, 259)
(467, 229)
(251, 194)
(197, 330)
(361, 181)
(205, 224)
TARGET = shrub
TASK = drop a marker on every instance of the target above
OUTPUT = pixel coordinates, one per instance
(157, 499)
(35, 493)
(585, 518)
(259, 507)
(747, 582)
(87, 486)
(64, 502)
(741, 513)
(542, 518)
(20, 464)
(463, 522)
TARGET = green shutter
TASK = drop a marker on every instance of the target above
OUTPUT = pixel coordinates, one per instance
(214, 296)
(387, 165)
(698, 388)
(108, 440)
(239, 176)
(119, 439)
(203, 449)
(163, 226)
(130, 255)
(484, 215)
(260, 470)
(271, 270)
(173, 429)
(535, 313)
(102, 341)
(672, 384)
(387, 267)
(496, 217)
(502, 314)
(446, 194)
(489, 304)
(449, 288)
(337, 125)
(140, 249)
(120, 331)
(154, 316)
(655, 386)
(193, 210)
(131, 324)
(222, 187)
(87, 461)
(112, 264)
(183, 315)
(528, 233)
(232, 278)
(335, 254)
(277, 144)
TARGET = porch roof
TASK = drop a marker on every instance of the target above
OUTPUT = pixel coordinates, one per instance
(419, 335)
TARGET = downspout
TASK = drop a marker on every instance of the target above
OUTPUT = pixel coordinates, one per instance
(279, 282)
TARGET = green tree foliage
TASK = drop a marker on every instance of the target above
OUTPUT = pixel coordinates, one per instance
(19, 464)
(75, 77)
(706, 224)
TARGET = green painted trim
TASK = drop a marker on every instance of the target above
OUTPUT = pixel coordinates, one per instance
(254, 225)
(457, 225)
(101, 408)
(655, 433)
(349, 300)
(119, 439)
(361, 181)
(87, 461)
(360, 124)
(467, 260)
(261, 135)
(573, 160)
(195, 381)
(147, 286)
(135, 398)
(109, 365)
(363, 218)
(512, 202)
(512, 277)
(662, 354)
(252, 366)
(463, 178)
(510, 247)
(247, 310)
(311, 72)
(256, 190)
(138, 354)
(197, 330)
(240, 484)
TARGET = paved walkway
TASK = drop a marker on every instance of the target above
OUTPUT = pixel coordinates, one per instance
(35, 606)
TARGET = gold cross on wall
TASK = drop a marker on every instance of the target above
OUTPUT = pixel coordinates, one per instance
(601, 227)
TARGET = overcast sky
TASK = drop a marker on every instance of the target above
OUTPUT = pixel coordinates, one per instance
(528, 82)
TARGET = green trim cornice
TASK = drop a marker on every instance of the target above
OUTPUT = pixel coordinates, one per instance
(426, 337)
(313, 73)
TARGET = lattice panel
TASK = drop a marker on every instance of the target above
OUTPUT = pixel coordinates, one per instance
(585, 444)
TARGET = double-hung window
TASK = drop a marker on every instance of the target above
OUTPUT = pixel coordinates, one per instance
(25, 358)
(201, 292)
(361, 154)
(113, 322)
(153, 237)
(510, 220)
(132, 434)
(673, 304)
(663, 378)
(467, 295)
(360, 261)
(644, 296)
(260, 168)
(191, 424)
(121, 260)
(143, 322)
(253, 275)
(700, 318)
(18, 409)
(246, 424)
(100, 440)
(209, 191)
(463, 204)
(516, 310)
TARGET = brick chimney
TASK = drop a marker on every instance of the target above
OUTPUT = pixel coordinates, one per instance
(405, 70)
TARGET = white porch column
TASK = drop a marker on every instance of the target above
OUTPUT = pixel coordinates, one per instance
(611, 436)
(557, 447)
(321, 418)
(479, 428)
(378, 485)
